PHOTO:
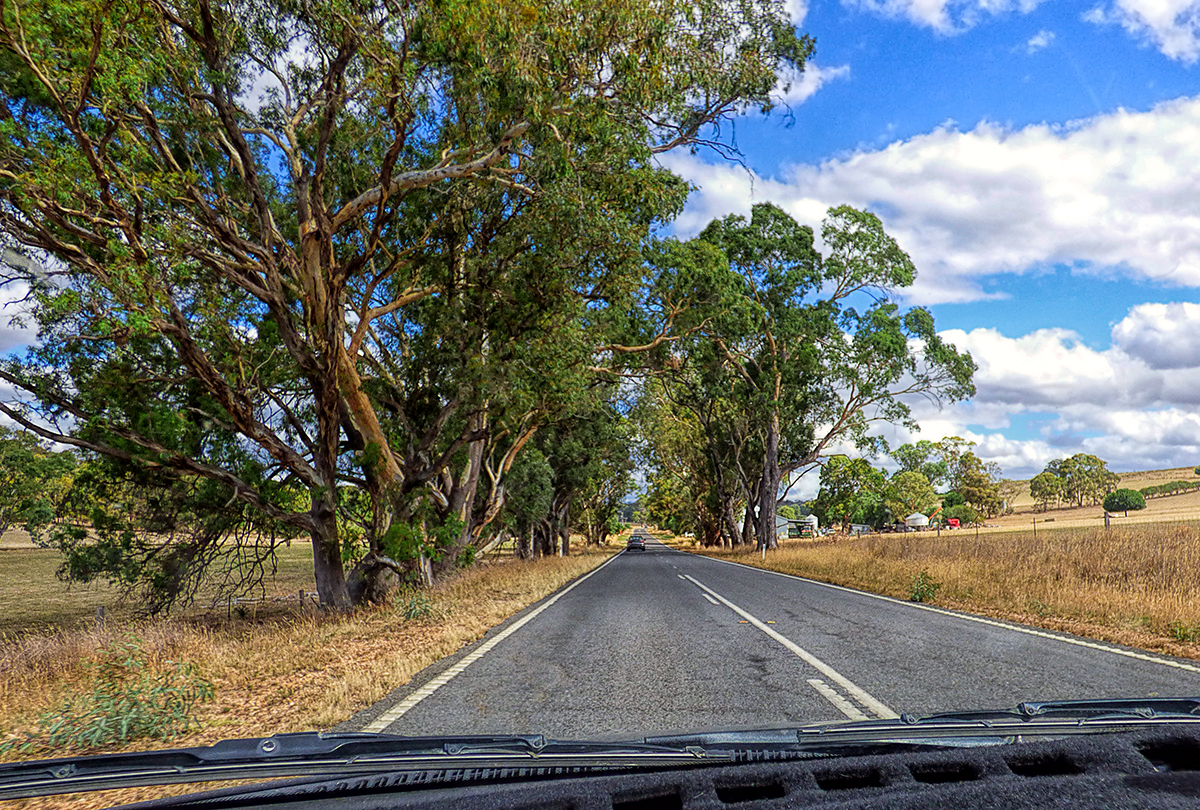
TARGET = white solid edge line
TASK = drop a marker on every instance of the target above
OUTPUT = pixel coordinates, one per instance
(844, 706)
(856, 692)
(709, 598)
(1094, 645)
(396, 712)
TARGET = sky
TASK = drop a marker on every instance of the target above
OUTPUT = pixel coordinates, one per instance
(1040, 163)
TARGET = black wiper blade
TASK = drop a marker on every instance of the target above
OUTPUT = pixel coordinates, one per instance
(1086, 709)
(331, 754)
(1055, 718)
(315, 754)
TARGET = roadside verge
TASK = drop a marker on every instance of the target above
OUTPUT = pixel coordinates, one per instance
(1066, 584)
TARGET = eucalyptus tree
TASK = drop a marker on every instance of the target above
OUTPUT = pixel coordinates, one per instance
(848, 485)
(256, 222)
(813, 349)
(33, 478)
(587, 452)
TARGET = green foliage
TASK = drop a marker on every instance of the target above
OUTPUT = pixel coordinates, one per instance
(976, 484)
(788, 511)
(1169, 488)
(924, 457)
(429, 538)
(1122, 500)
(33, 480)
(161, 537)
(951, 499)
(909, 492)
(848, 486)
(1196, 471)
(1184, 632)
(789, 353)
(1085, 478)
(128, 701)
(963, 512)
(923, 589)
(1046, 488)
(481, 188)
(418, 607)
(466, 557)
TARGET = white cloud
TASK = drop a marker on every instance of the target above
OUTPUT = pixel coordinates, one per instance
(16, 330)
(800, 88)
(946, 16)
(1042, 39)
(1173, 26)
(1116, 194)
(1163, 336)
(797, 10)
(1111, 403)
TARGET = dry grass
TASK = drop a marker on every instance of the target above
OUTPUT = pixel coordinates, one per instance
(1134, 585)
(284, 673)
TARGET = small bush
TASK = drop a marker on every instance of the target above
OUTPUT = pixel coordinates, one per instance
(128, 701)
(1123, 500)
(1183, 632)
(419, 607)
(924, 589)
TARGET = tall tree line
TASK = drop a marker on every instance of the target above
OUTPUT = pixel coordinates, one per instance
(341, 295)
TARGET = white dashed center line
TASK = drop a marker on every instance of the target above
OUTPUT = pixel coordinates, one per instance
(844, 706)
(859, 694)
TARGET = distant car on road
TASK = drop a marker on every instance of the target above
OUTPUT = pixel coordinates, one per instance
(636, 543)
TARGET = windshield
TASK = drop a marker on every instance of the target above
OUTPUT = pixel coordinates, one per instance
(594, 371)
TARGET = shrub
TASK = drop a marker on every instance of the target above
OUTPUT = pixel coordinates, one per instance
(419, 607)
(1183, 632)
(963, 512)
(951, 499)
(1123, 500)
(924, 589)
(128, 701)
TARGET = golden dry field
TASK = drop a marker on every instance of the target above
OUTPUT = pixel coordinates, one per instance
(277, 668)
(1136, 584)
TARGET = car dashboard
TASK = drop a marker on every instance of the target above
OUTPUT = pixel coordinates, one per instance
(1150, 769)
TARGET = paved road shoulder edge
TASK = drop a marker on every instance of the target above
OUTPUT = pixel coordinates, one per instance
(361, 719)
(1055, 635)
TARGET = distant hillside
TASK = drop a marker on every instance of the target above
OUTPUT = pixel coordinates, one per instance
(1025, 503)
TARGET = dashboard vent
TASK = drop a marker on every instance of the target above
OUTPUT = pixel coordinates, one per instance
(848, 780)
(941, 773)
(660, 801)
(1050, 765)
(736, 794)
(1172, 755)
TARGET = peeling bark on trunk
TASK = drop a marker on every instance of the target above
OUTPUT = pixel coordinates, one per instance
(564, 530)
(768, 488)
(327, 557)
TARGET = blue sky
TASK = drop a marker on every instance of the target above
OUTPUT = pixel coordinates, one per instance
(1041, 164)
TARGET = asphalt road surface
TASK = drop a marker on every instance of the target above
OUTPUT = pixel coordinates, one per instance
(665, 641)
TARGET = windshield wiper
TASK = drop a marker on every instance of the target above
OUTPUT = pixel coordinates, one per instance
(1047, 719)
(344, 754)
(329, 754)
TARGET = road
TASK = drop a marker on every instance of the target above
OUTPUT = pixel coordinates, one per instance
(662, 640)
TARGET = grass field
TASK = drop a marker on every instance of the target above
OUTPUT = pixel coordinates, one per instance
(278, 669)
(1135, 584)
(33, 600)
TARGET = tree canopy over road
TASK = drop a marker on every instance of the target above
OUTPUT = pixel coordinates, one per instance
(374, 272)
